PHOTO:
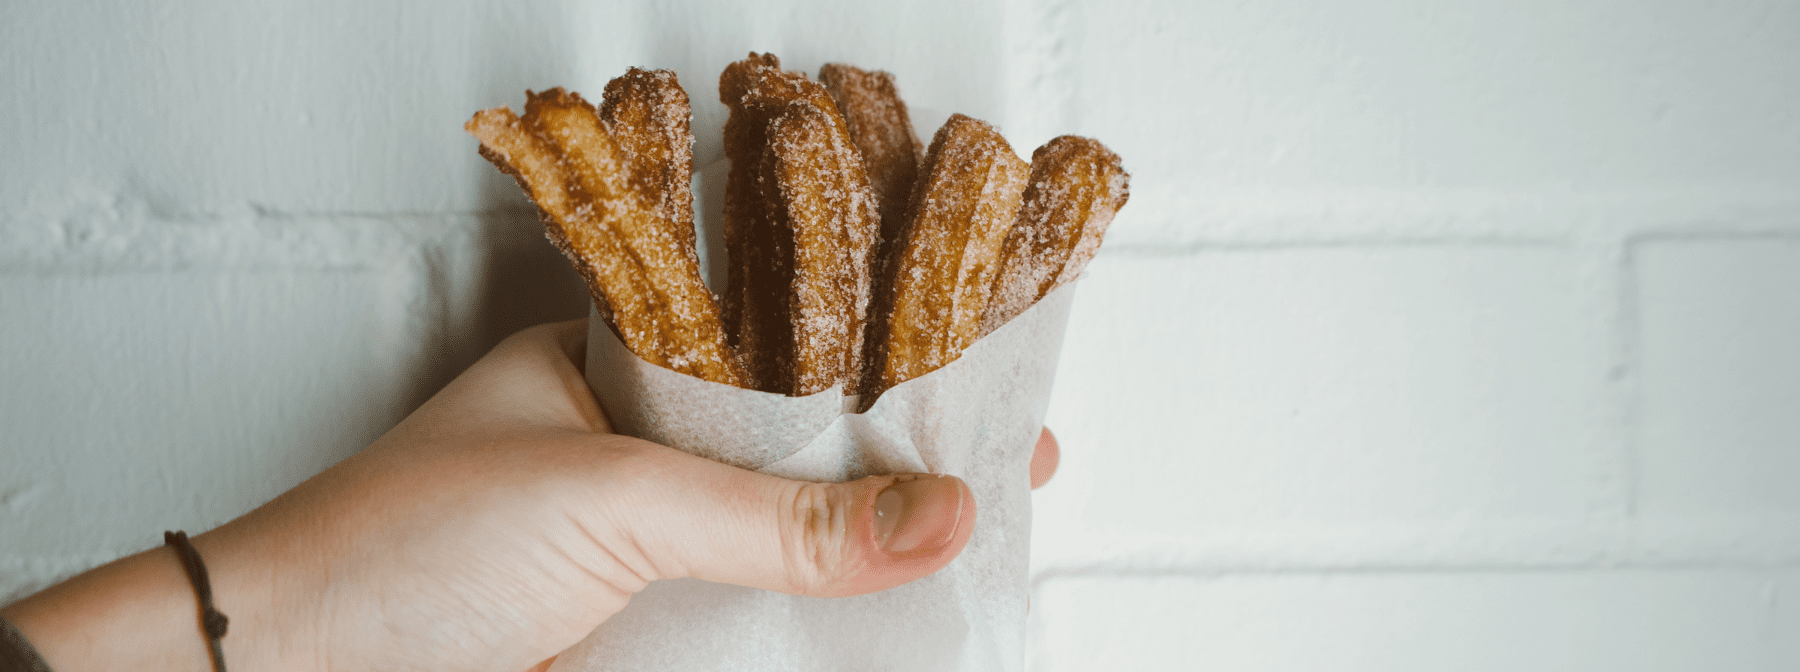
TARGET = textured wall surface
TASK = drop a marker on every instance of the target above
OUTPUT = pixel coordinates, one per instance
(1434, 336)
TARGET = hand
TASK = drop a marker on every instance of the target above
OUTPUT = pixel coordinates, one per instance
(493, 528)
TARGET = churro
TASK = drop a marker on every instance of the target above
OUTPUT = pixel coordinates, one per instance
(613, 193)
(1076, 187)
(828, 206)
(852, 258)
(800, 225)
(936, 287)
(882, 131)
(649, 116)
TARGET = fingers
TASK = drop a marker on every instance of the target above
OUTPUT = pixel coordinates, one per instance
(693, 517)
(571, 336)
(1044, 459)
(534, 378)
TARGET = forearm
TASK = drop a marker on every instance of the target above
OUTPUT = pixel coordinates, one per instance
(140, 612)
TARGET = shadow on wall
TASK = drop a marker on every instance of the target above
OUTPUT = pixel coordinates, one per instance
(507, 276)
(522, 282)
(511, 277)
(521, 279)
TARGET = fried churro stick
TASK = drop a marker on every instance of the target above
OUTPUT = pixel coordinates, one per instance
(758, 253)
(942, 275)
(1076, 187)
(800, 224)
(649, 116)
(828, 206)
(882, 130)
(613, 193)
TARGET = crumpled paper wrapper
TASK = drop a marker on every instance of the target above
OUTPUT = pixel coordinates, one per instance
(977, 418)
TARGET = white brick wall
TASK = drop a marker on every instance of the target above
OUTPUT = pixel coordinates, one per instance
(1473, 342)
(1478, 621)
(1719, 396)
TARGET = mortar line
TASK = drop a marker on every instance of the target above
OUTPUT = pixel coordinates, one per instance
(150, 241)
(1608, 294)
(1397, 569)
(1191, 248)
(1657, 234)
(1629, 386)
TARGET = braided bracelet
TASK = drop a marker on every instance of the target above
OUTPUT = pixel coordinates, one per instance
(211, 620)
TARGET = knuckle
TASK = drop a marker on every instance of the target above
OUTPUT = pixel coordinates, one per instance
(817, 537)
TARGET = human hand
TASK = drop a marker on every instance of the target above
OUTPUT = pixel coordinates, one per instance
(498, 525)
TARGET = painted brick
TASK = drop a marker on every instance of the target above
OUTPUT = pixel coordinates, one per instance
(1209, 100)
(140, 403)
(1624, 621)
(200, 202)
(1243, 92)
(1719, 406)
(1322, 400)
(358, 107)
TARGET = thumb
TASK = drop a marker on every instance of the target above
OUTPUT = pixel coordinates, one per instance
(715, 522)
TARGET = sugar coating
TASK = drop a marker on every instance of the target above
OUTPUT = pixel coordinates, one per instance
(1076, 187)
(963, 206)
(832, 212)
(882, 130)
(613, 188)
(853, 259)
(800, 223)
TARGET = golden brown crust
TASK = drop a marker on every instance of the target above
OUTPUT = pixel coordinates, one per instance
(649, 116)
(938, 284)
(882, 131)
(826, 203)
(790, 153)
(1076, 187)
(611, 212)
(758, 253)
(852, 258)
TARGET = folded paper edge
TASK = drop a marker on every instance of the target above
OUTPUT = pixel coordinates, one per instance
(778, 426)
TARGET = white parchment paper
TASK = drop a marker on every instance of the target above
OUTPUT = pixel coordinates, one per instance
(977, 418)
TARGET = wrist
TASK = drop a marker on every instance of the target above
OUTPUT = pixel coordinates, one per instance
(128, 613)
(266, 590)
(141, 612)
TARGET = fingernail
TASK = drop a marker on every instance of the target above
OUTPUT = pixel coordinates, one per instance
(918, 515)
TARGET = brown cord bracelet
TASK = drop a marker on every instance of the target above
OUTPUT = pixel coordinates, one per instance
(16, 653)
(211, 621)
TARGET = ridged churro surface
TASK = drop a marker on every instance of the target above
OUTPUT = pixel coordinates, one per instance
(882, 131)
(1076, 187)
(614, 194)
(649, 115)
(852, 257)
(942, 274)
(826, 203)
(800, 222)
